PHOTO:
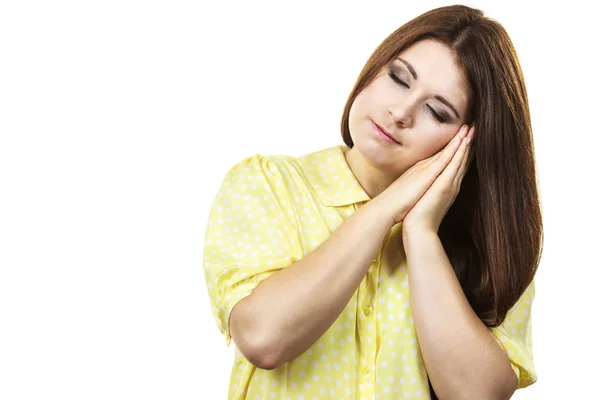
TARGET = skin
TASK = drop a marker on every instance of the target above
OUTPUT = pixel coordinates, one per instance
(422, 174)
(403, 112)
(418, 182)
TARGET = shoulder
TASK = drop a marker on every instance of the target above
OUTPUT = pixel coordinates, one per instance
(279, 166)
(259, 168)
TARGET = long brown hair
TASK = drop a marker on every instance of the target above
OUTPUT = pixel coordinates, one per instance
(493, 232)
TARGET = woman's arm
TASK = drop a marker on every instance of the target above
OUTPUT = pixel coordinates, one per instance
(462, 357)
(287, 312)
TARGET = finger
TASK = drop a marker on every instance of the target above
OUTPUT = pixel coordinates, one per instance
(466, 161)
(445, 155)
(450, 151)
(453, 166)
(436, 165)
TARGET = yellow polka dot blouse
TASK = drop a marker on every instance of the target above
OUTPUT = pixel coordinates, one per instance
(270, 212)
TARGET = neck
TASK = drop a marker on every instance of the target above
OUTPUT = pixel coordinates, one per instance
(373, 180)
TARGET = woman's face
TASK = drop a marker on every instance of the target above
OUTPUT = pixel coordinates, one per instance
(416, 99)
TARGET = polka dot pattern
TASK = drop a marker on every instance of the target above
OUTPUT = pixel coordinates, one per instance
(515, 336)
(273, 210)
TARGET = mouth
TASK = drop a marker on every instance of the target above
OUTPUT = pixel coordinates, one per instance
(382, 133)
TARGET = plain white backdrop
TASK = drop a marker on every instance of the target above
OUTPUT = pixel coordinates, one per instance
(118, 121)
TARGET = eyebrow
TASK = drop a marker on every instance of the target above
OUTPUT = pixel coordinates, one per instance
(437, 96)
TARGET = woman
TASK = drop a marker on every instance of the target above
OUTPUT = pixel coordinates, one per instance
(399, 264)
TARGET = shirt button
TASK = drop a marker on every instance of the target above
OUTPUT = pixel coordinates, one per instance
(368, 310)
(366, 370)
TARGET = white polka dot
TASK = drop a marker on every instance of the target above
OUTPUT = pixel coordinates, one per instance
(264, 231)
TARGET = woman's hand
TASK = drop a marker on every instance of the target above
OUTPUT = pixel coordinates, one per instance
(430, 210)
(404, 193)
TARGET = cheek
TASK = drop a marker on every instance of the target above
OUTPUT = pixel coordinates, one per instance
(361, 108)
(361, 104)
(370, 100)
(429, 146)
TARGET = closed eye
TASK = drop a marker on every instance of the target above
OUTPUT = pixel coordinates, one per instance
(399, 81)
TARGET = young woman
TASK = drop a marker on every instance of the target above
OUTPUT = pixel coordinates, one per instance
(399, 264)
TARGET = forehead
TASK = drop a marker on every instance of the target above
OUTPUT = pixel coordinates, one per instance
(436, 70)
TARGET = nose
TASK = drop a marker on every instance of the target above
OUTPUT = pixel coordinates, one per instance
(402, 113)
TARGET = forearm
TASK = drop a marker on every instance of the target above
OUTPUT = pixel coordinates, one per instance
(291, 309)
(462, 357)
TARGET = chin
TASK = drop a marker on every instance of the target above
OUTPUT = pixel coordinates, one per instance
(373, 152)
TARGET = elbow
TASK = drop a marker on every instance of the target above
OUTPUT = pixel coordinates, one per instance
(257, 349)
(260, 353)
(263, 358)
(253, 342)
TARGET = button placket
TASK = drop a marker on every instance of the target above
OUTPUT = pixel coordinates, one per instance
(368, 329)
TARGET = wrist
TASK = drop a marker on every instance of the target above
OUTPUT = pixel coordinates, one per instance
(383, 210)
(412, 231)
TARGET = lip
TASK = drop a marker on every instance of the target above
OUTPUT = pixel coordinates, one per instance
(383, 132)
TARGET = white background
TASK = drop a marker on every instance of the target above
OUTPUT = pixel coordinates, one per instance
(118, 121)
